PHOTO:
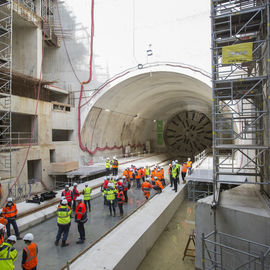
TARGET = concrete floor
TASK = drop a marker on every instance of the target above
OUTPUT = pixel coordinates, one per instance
(51, 257)
(167, 253)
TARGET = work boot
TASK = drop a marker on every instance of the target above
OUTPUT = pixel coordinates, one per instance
(80, 241)
(64, 244)
(184, 181)
(56, 242)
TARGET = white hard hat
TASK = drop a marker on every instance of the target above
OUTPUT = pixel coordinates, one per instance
(176, 161)
(155, 177)
(67, 186)
(114, 157)
(86, 183)
(147, 179)
(123, 177)
(64, 202)
(28, 237)
(12, 238)
(2, 226)
(107, 158)
(188, 159)
(79, 198)
(173, 163)
(75, 184)
(110, 185)
(170, 164)
(9, 200)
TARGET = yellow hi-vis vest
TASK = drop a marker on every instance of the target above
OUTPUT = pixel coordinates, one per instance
(147, 172)
(108, 165)
(174, 172)
(63, 214)
(8, 255)
(110, 194)
(86, 193)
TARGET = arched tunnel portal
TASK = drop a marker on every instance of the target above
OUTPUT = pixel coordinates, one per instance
(129, 113)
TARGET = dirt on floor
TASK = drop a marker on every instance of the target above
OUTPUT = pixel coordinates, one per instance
(167, 253)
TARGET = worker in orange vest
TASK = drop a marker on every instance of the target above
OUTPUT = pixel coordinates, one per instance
(3, 220)
(126, 173)
(114, 163)
(153, 175)
(184, 172)
(81, 218)
(2, 233)
(30, 252)
(120, 199)
(189, 166)
(67, 193)
(146, 187)
(138, 177)
(10, 213)
(143, 174)
(158, 186)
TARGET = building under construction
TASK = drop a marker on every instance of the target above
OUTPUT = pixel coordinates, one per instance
(147, 83)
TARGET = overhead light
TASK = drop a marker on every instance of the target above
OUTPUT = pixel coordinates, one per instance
(154, 121)
(107, 110)
(140, 66)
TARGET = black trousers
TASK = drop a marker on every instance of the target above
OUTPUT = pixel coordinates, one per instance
(175, 183)
(183, 174)
(81, 230)
(120, 205)
(87, 204)
(14, 225)
(171, 180)
(126, 195)
(111, 206)
(62, 229)
(108, 171)
(74, 205)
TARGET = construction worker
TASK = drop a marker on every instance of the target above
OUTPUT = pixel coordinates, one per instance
(126, 173)
(30, 252)
(153, 175)
(184, 172)
(3, 220)
(8, 254)
(170, 174)
(81, 218)
(178, 167)
(114, 163)
(67, 193)
(63, 222)
(147, 171)
(175, 175)
(75, 194)
(138, 177)
(110, 194)
(158, 186)
(146, 187)
(143, 174)
(10, 213)
(162, 177)
(108, 167)
(131, 174)
(2, 233)
(120, 200)
(126, 186)
(87, 196)
(189, 166)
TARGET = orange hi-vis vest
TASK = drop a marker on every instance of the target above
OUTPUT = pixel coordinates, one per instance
(3, 221)
(138, 175)
(184, 168)
(68, 195)
(159, 175)
(126, 173)
(130, 174)
(146, 187)
(158, 183)
(31, 259)
(153, 174)
(10, 212)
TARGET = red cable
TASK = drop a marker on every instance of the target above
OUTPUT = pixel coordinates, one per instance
(38, 95)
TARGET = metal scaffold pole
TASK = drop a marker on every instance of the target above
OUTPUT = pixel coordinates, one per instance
(6, 19)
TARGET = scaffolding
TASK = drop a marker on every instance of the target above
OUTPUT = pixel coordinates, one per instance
(5, 86)
(240, 119)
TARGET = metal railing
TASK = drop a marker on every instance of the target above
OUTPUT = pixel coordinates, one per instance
(221, 251)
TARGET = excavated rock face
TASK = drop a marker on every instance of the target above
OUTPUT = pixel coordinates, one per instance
(188, 133)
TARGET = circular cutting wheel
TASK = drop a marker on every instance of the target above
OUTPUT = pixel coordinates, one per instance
(188, 133)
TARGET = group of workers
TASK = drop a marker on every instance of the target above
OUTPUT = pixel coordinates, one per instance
(8, 253)
(112, 164)
(174, 172)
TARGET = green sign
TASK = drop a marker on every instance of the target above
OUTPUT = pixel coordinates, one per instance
(159, 126)
(159, 138)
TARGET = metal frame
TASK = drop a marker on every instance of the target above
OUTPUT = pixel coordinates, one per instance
(218, 254)
(5, 85)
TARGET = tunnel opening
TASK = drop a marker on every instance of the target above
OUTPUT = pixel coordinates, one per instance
(188, 133)
(127, 114)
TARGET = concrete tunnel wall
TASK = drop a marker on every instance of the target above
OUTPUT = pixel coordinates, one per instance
(126, 113)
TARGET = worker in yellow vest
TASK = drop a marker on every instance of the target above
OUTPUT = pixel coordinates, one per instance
(108, 167)
(87, 196)
(8, 254)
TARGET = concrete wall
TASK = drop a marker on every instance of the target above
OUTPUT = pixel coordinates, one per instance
(242, 213)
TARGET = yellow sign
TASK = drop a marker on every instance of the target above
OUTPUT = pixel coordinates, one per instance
(238, 53)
